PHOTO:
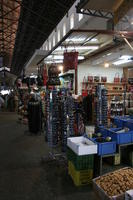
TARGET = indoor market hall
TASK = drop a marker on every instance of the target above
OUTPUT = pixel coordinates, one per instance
(66, 100)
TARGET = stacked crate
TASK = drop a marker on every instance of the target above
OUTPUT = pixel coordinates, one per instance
(80, 168)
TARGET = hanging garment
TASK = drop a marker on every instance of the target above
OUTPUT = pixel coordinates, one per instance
(88, 108)
(34, 115)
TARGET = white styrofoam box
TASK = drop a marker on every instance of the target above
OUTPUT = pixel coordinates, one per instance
(129, 195)
(82, 145)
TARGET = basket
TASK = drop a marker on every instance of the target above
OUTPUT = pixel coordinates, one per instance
(80, 162)
(82, 177)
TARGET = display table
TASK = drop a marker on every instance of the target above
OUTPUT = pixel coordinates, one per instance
(98, 160)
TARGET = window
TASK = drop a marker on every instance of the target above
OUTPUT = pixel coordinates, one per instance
(80, 16)
(54, 40)
(49, 45)
(58, 35)
(72, 21)
(64, 29)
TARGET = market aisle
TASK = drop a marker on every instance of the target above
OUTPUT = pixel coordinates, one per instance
(22, 176)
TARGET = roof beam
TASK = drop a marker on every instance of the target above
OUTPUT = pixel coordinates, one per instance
(2, 25)
(7, 13)
(61, 4)
(11, 19)
(30, 10)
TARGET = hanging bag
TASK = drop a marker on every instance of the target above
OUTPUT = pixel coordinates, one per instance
(90, 79)
(84, 88)
(97, 79)
(103, 79)
(123, 79)
(70, 59)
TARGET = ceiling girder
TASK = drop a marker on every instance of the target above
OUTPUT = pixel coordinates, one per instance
(37, 20)
(7, 13)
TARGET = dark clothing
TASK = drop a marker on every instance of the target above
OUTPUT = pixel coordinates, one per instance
(88, 108)
(34, 116)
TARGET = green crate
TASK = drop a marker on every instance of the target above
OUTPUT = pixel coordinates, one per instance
(80, 162)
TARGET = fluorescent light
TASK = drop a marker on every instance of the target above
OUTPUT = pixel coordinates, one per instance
(92, 40)
(81, 57)
(108, 54)
(54, 61)
(74, 39)
(77, 48)
(125, 57)
(50, 56)
(120, 62)
(61, 57)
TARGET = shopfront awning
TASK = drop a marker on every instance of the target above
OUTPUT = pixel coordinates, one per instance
(31, 66)
(37, 56)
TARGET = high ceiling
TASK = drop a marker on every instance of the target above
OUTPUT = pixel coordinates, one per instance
(37, 20)
(9, 15)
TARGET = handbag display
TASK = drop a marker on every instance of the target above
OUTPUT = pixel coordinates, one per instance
(84, 87)
(53, 78)
(123, 79)
(70, 60)
(96, 79)
(103, 79)
(90, 79)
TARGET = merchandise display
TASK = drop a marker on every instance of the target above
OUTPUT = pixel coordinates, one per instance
(64, 120)
(101, 106)
(66, 71)
(115, 184)
(61, 117)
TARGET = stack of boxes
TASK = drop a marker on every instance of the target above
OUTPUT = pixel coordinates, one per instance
(80, 168)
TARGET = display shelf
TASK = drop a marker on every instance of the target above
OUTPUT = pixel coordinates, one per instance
(114, 94)
(105, 83)
(115, 91)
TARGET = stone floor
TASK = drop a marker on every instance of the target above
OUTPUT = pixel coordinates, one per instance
(22, 174)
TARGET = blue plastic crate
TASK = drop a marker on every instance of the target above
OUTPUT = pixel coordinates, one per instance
(124, 121)
(102, 130)
(118, 121)
(128, 123)
(121, 138)
(106, 148)
(106, 131)
(132, 137)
